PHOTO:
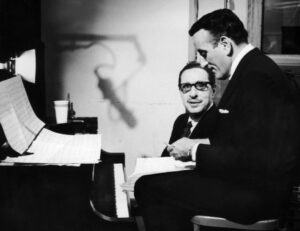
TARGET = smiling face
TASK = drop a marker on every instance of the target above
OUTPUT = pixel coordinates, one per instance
(215, 53)
(196, 101)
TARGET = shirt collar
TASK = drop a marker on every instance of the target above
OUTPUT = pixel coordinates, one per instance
(239, 57)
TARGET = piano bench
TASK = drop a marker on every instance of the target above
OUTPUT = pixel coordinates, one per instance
(219, 222)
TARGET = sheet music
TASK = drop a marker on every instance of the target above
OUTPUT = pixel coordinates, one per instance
(22, 106)
(24, 131)
(159, 164)
(55, 148)
(152, 165)
(14, 133)
(17, 118)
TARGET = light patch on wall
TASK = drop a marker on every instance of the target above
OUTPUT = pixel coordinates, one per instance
(120, 61)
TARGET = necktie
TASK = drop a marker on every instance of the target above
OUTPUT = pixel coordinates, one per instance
(187, 130)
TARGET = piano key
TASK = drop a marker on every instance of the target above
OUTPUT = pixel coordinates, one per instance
(120, 195)
(107, 199)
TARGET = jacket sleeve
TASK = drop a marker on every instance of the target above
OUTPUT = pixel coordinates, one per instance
(255, 137)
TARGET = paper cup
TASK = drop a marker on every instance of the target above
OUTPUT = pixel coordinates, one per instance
(61, 111)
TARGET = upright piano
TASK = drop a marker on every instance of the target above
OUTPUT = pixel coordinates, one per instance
(63, 197)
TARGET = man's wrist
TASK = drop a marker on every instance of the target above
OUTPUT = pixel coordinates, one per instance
(193, 149)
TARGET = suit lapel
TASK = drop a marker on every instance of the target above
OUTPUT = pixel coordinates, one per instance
(205, 124)
(178, 130)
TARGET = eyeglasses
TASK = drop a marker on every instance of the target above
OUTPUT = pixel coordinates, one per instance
(200, 86)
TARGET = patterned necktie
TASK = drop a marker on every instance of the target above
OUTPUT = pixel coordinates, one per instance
(187, 130)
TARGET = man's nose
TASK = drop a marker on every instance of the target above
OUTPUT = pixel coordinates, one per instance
(193, 92)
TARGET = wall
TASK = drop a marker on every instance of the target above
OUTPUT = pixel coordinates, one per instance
(119, 60)
(239, 7)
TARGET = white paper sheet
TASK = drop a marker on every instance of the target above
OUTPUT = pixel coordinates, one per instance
(152, 165)
(19, 123)
(54, 148)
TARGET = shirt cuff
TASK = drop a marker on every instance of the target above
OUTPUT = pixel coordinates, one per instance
(193, 151)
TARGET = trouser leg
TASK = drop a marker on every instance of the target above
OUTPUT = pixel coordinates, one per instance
(158, 211)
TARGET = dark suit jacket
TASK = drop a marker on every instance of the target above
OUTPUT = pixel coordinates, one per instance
(255, 144)
(204, 128)
(246, 173)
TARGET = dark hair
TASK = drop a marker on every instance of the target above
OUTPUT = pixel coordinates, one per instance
(195, 64)
(222, 22)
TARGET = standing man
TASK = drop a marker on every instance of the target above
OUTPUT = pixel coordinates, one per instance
(245, 172)
(196, 86)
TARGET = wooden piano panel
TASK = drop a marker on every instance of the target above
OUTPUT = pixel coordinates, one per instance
(44, 197)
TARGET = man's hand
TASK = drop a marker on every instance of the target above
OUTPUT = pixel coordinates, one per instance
(181, 149)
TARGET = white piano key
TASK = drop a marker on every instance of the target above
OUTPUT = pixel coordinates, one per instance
(121, 196)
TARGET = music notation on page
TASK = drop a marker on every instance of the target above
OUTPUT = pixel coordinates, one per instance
(25, 132)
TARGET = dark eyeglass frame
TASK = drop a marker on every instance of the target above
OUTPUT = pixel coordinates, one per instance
(199, 85)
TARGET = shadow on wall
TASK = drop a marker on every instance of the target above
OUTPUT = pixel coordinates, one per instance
(108, 91)
(70, 42)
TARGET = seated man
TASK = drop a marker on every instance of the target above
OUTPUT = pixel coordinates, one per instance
(197, 86)
(245, 172)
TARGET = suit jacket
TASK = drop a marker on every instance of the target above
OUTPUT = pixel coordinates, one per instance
(255, 142)
(204, 128)
(246, 173)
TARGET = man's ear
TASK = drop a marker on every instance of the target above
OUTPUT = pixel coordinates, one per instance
(226, 44)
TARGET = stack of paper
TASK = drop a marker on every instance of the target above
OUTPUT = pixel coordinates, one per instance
(55, 148)
(153, 165)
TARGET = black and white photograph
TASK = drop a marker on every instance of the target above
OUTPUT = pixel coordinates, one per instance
(161, 115)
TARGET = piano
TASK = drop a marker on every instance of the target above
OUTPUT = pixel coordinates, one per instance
(64, 193)
(62, 197)
(108, 201)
